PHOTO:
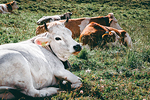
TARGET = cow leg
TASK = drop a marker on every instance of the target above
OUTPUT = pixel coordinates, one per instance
(67, 75)
(49, 91)
(43, 92)
(30, 91)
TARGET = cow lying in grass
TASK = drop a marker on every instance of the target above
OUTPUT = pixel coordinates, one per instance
(34, 66)
(77, 25)
(8, 7)
(47, 19)
(95, 34)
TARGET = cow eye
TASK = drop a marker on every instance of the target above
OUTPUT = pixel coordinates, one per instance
(57, 38)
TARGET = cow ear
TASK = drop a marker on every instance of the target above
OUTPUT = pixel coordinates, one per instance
(42, 41)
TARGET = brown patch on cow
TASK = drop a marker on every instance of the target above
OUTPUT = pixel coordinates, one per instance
(2, 7)
(103, 20)
(73, 25)
(41, 29)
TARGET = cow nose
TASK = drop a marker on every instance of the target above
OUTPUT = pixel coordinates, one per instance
(77, 47)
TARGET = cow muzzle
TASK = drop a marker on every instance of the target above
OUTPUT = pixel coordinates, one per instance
(77, 48)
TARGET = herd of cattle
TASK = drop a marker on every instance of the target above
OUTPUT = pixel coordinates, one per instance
(33, 67)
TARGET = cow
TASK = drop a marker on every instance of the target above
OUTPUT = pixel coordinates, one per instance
(95, 34)
(8, 7)
(77, 25)
(33, 67)
(46, 19)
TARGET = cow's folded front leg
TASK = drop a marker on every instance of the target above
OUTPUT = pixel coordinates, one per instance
(48, 91)
(67, 75)
(43, 92)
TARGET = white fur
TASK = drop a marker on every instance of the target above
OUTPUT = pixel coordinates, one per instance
(128, 40)
(114, 23)
(84, 23)
(32, 68)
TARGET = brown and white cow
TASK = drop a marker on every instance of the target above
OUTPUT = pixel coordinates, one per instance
(95, 34)
(77, 25)
(8, 7)
(47, 19)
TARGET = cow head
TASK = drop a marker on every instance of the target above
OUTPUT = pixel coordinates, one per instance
(60, 40)
(113, 21)
(14, 5)
(125, 38)
(110, 37)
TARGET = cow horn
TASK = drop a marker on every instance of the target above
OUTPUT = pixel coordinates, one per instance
(105, 35)
(66, 21)
(45, 26)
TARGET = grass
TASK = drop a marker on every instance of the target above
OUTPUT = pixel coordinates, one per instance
(116, 73)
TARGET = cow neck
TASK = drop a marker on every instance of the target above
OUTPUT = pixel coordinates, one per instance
(65, 63)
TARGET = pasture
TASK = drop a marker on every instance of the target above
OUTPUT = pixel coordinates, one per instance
(116, 73)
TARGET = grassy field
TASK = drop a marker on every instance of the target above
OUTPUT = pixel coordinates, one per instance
(116, 73)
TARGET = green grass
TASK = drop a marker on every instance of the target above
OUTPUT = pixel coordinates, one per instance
(116, 73)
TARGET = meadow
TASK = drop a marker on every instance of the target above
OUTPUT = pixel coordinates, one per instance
(116, 73)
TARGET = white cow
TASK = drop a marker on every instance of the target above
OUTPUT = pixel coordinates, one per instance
(34, 65)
